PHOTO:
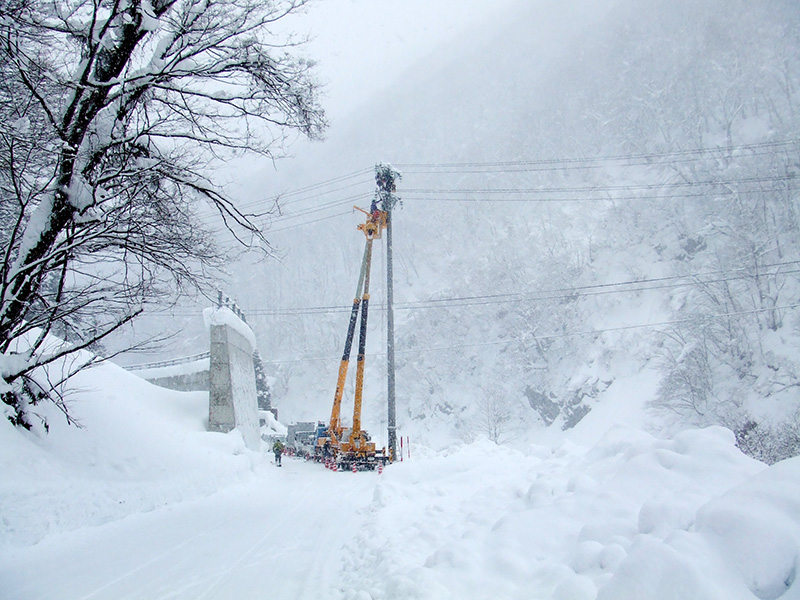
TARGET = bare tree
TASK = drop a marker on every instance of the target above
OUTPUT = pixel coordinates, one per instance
(686, 389)
(494, 418)
(111, 112)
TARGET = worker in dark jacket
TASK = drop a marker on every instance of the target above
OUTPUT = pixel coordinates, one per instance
(277, 448)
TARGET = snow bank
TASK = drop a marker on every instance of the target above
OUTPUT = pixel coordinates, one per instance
(744, 544)
(630, 517)
(271, 425)
(138, 447)
(633, 517)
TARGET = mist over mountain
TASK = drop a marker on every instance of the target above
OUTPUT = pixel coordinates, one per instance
(597, 198)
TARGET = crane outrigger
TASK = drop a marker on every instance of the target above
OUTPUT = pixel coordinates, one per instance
(353, 448)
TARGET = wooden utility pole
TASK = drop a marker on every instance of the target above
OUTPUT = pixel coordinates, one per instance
(386, 178)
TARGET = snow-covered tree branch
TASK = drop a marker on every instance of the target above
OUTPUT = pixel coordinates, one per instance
(110, 112)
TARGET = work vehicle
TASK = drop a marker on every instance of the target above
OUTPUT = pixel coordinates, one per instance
(353, 447)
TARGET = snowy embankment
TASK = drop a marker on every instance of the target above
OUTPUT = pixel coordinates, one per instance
(137, 447)
(143, 503)
(632, 518)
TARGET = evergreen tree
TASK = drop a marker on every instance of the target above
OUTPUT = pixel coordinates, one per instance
(262, 384)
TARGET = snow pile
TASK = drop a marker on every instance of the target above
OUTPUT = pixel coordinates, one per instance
(142, 502)
(634, 517)
(271, 426)
(137, 447)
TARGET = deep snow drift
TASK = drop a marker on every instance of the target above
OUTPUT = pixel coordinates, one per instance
(143, 503)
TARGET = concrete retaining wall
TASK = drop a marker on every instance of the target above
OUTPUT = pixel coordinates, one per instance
(189, 374)
(188, 382)
(233, 401)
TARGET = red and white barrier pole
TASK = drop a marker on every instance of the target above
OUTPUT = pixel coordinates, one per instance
(401, 448)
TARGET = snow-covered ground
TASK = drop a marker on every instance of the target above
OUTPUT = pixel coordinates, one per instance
(142, 503)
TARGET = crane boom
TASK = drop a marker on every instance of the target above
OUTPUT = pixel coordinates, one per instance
(362, 345)
(335, 422)
(353, 447)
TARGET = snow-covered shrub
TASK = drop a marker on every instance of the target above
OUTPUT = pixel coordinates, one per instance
(686, 387)
(769, 443)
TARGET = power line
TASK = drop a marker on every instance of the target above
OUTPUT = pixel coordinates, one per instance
(232, 244)
(318, 208)
(566, 293)
(609, 158)
(590, 164)
(601, 188)
(598, 189)
(322, 194)
(555, 164)
(333, 181)
(433, 199)
(568, 190)
(323, 184)
(592, 332)
(318, 190)
(577, 293)
(296, 225)
(642, 197)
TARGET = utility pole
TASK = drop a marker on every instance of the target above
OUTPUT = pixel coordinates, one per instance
(386, 179)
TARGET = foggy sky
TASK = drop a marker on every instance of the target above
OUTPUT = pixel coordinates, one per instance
(364, 46)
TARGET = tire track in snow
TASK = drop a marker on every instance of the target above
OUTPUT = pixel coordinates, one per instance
(221, 580)
(159, 557)
(312, 538)
(286, 535)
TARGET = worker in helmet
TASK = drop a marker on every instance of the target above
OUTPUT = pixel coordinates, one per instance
(375, 212)
(277, 448)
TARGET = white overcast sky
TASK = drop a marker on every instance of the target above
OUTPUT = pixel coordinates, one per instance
(363, 46)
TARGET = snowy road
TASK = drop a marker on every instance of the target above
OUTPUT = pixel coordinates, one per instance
(633, 517)
(279, 536)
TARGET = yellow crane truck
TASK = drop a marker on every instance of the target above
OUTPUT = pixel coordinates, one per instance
(352, 447)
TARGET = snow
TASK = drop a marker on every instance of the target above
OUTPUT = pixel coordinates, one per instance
(184, 368)
(225, 316)
(21, 126)
(142, 502)
(485, 522)
(271, 425)
(39, 220)
(149, 21)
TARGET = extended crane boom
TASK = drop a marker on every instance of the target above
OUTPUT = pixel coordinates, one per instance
(354, 447)
(362, 346)
(335, 422)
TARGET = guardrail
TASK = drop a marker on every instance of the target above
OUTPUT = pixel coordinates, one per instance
(228, 302)
(169, 363)
(223, 300)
